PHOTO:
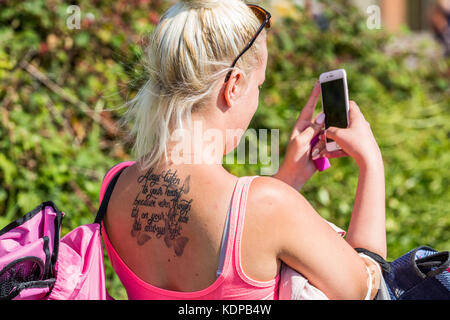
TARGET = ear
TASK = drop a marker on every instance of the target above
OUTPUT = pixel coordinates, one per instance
(233, 87)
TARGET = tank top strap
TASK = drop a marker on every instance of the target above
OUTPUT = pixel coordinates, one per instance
(238, 203)
(110, 175)
(233, 218)
(240, 209)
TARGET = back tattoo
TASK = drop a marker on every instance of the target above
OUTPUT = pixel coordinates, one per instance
(164, 192)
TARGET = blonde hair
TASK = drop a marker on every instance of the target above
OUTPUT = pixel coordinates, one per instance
(192, 49)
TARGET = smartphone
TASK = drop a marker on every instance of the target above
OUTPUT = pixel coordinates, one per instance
(335, 102)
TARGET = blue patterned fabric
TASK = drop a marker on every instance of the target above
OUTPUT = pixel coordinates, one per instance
(444, 278)
(421, 274)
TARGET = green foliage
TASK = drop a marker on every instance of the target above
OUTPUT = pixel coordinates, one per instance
(56, 145)
(52, 81)
(408, 109)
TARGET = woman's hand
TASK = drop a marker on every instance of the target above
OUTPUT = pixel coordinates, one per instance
(357, 140)
(298, 166)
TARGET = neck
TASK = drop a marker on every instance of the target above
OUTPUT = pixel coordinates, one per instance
(201, 144)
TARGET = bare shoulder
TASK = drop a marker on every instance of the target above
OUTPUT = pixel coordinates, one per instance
(275, 208)
(278, 209)
(272, 196)
(269, 205)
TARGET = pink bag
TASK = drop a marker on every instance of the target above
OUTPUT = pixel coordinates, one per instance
(35, 264)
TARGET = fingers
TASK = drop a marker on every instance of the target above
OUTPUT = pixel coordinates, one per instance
(314, 129)
(308, 111)
(320, 151)
(334, 154)
(306, 116)
(324, 153)
(354, 111)
(354, 106)
(333, 133)
(317, 150)
(354, 115)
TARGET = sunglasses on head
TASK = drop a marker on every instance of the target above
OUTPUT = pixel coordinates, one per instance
(264, 16)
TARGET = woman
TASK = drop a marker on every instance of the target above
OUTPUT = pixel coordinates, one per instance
(179, 226)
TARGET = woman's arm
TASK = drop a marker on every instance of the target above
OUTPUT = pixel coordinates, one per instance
(308, 244)
(367, 226)
(292, 230)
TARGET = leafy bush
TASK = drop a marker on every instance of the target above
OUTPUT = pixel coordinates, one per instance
(56, 142)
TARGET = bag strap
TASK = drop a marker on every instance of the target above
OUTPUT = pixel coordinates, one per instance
(385, 266)
(434, 264)
(104, 204)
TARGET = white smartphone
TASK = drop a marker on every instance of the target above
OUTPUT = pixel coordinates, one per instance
(335, 102)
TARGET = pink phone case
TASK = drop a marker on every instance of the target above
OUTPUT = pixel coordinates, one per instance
(322, 164)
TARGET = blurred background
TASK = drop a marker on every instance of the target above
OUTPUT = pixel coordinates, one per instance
(68, 67)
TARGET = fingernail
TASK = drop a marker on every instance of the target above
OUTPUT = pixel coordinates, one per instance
(320, 119)
(315, 154)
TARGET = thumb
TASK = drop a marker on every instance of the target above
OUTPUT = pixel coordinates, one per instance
(315, 128)
(333, 133)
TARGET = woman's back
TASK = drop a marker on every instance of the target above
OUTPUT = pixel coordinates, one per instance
(167, 227)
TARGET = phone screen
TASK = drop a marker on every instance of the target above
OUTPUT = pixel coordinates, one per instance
(333, 95)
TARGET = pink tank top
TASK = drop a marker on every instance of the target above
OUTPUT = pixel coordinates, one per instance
(232, 283)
